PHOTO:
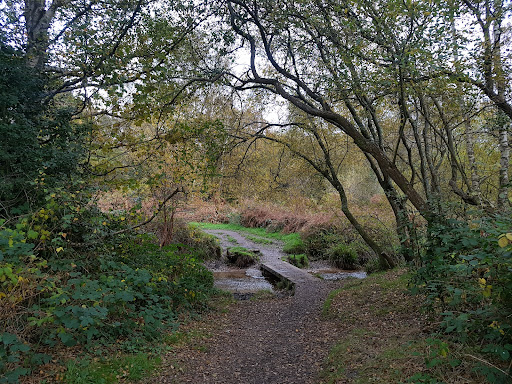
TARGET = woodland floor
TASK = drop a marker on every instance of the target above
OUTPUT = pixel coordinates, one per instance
(300, 339)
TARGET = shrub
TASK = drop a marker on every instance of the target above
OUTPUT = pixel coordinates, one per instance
(318, 242)
(466, 277)
(342, 256)
(65, 280)
(294, 245)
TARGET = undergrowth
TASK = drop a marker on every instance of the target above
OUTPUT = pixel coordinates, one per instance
(74, 278)
(385, 338)
(466, 278)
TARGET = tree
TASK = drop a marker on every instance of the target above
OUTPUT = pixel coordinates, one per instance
(125, 63)
(382, 73)
(39, 140)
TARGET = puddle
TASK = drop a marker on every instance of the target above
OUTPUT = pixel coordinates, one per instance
(250, 281)
(339, 275)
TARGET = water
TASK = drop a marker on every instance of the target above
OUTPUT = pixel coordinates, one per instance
(250, 281)
(339, 275)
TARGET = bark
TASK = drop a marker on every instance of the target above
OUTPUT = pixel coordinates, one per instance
(504, 164)
(383, 256)
(328, 171)
(398, 205)
(470, 150)
(37, 23)
(332, 176)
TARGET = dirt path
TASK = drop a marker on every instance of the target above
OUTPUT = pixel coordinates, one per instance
(277, 340)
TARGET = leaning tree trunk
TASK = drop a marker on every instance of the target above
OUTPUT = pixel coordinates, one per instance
(383, 256)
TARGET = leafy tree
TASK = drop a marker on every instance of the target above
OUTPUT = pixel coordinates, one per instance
(382, 73)
(39, 140)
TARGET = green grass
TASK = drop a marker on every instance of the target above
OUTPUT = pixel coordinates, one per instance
(292, 241)
(300, 261)
(241, 251)
(294, 244)
(259, 240)
(231, 239)
(127, 368)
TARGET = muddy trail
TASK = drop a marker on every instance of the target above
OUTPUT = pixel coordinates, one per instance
(279, 339)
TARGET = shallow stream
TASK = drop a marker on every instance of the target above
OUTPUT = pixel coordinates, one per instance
(243, 282)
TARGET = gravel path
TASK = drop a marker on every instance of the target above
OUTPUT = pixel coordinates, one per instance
(277, 340)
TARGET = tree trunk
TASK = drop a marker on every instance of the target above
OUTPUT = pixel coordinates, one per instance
(37, 24)
(470, 149)
(383, 256)
(504, 164)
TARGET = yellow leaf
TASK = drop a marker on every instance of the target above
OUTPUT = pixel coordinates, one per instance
(487, 291)
(503, 241)
(509, 236)
(59, 249)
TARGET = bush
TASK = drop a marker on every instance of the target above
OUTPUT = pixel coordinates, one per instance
(318, 242)
(294, 245)
(65, 280)
(203, 245)
(466, 277)
(342, 256)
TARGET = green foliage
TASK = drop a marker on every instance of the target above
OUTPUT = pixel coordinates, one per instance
(203, 245)
(291, 240)
(294, 244)
(342, 256)
(466, 277)
(318, 243)
(65, 280)
(110, 370)
(40, 144)
(300, 261)
(330, 246)
(12, 351)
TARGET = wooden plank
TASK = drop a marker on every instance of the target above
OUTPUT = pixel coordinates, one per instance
(287, 271)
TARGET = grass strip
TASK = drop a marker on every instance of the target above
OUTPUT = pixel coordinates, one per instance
(292, 241)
